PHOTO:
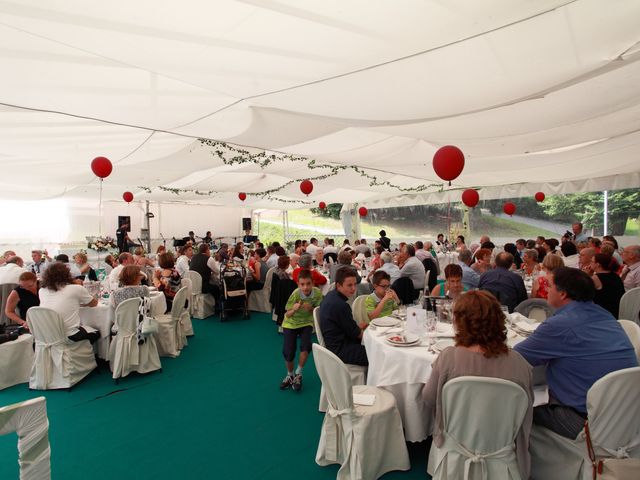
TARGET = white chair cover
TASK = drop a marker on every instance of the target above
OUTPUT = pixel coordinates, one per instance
(259, 299)
(632, 330)
(359, 310)
(59, 362)
(125, 355)
(187, 283)
(479, 441)
(5, 290)
(426, 292)
(613, 409)
(358, 373)
(366, 440)
(29, 420)
(171, 336)
(630, 305)
(201, 305)
(16, 359)
(535, 308)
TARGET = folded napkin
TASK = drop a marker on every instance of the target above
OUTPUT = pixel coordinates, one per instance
(526, 326)
(363, 399)
(518, 317)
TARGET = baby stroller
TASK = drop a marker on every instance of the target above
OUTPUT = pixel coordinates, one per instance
(234, 290)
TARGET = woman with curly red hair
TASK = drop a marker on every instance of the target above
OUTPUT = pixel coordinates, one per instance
(480, 350)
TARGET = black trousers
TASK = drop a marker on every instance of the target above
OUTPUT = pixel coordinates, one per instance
(82, 334)
(354, 354)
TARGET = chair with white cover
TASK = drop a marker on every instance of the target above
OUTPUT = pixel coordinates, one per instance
(632, 330)
(188, 284)
(19, 354)
(259, 299)
(59, 362)
(367, 441)
(171, 336)
(359, 310)
(479, 445)
(202, 305)
(613, 410)
(29, 421)
(358, 373)
(630, 305)
(125, 354)
(535, 308)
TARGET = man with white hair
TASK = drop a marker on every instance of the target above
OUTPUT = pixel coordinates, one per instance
(6, 256)
(10, 273)
(388, 266)
(40, 261)
(631, 272)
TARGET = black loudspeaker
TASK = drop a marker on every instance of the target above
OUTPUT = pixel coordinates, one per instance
(246, 223)
(124, 220)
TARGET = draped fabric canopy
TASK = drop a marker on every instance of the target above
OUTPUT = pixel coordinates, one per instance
(355, 95)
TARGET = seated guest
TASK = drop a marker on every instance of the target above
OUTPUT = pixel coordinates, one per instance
(530, 244)
(59, 293)
(345, 246)
(298, 322)
(480, 350)
(182, 262)
(330, 247)
(470, 278)
(585, 256)
(530, 263)
(344, 259)
(631, 272)
(383, 301)
(203, 263)
(386, 258)
(6, 256)
(271, 257)
(421, 252)
(305, 263)
(124, 259)
(375, 261)
(82, 263)
(342, 335)
(318, 256)
(293, 261)
(22, 297)
(40, 261)
(238, 251)
(595, 243)
(363, 247)
(483, 261)
(570, 254)
(580, 344)
(460, 245)
(540, 288)
(222, 255)
(452, 287)
(511, 248)
(282, 270)
(64, 258)
(609, 286)
(109, 264)
(141, 260)
(258, 271)
(506, 286)
(413, 268)
(11, 271)
(130, 278)
(167, 279)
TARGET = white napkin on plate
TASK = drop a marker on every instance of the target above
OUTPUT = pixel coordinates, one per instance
(526, 326)
(364, 399)
(518, 317)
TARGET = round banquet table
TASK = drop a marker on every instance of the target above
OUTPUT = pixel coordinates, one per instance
(102, 317)
(16, 359)
(403, 371)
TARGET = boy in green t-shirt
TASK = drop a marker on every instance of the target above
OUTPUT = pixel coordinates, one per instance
(383, 300)
(298, 322)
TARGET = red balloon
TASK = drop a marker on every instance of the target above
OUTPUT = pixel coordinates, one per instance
(242, 196)
(448, 162)
(470, 197)
(322, 205)
(101, 167)
(363, 211)
(127, 197)
(306, 187)
(509, 208)
(539, 196)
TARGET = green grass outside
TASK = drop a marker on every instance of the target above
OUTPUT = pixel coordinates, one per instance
(633, 227)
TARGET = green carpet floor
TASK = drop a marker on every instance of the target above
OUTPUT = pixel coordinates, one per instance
(215, 412)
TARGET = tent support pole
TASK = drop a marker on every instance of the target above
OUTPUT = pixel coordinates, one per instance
(605, 212)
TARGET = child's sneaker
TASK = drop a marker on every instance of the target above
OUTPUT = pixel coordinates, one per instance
(286, 383)
(297, 383)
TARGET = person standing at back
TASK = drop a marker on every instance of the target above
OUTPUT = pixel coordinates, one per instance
(384, 240)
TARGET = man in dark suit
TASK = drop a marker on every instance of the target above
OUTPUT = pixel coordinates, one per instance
(508, 287)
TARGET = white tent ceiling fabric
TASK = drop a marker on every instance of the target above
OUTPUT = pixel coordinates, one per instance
(540, 95)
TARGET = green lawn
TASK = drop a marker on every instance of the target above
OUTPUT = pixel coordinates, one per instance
(633, 227)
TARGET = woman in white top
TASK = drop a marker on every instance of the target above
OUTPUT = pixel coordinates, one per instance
(60, 294)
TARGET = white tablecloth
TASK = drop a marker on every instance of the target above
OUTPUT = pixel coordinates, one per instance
(16, 359)
(102, 317)
(403, 371)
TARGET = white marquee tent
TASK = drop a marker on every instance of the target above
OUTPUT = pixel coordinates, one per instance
(358, 95)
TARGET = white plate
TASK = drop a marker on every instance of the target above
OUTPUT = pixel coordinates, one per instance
(440, 345)
(410, 338)
(385, 322)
